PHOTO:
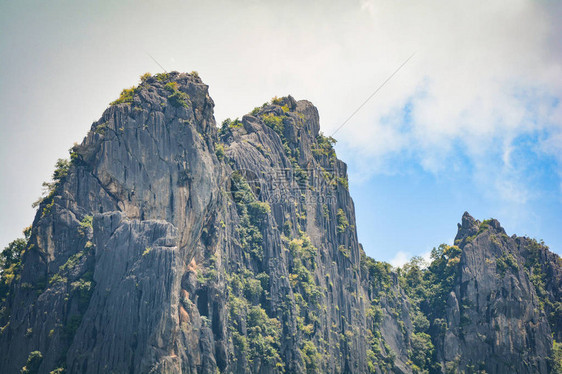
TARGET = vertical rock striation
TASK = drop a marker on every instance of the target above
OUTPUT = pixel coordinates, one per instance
(168, 245)
(493, 320)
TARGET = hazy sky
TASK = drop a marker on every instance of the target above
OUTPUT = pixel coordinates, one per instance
(473, 121)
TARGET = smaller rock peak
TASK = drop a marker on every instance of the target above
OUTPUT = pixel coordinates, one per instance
(155, 92)
(467, 217)
(161, 105)
(303, 109)
(285, 115)
(471, 227)
(310, 112)
(286, 101)
(468, 227)
(468, 222)
(495, 224)
(173, 76)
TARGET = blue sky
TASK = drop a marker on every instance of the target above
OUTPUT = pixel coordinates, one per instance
(472, 122)
(412, 210)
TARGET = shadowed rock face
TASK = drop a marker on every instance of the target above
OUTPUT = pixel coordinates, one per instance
(171, 246)
(493, 317)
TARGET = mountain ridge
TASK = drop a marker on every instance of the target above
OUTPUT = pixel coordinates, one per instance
(168, 245)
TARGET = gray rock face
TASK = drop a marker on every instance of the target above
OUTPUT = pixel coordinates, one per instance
(127, 324)
(143, 172)
(493, 317)
(170, 246)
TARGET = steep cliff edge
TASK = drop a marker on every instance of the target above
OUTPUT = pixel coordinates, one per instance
(492, 319)
(168, 245)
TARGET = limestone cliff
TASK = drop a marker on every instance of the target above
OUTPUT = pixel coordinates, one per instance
(168, 245)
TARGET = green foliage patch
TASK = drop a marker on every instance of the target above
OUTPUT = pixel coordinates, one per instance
(506, 262)
(10, 265)
(219, 151)
(274, 121)
(343, 223)
(427, 287)
(324, 146)
(252, 213)
(62, 168)
(126, 96)
(178, 98)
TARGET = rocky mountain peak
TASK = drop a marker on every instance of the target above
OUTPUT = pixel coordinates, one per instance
(167, 245)
(470, 227)
(290, 118)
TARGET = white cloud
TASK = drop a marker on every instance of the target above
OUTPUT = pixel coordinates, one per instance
(483, 72)
(426, 257)
(403, 257)
(400, 258)
(483, 75)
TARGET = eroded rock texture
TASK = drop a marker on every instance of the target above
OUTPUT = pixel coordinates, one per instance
(170, 246)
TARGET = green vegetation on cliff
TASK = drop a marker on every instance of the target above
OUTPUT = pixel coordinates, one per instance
(197, 269)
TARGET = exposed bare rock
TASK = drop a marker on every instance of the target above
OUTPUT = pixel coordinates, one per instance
(168, 245)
